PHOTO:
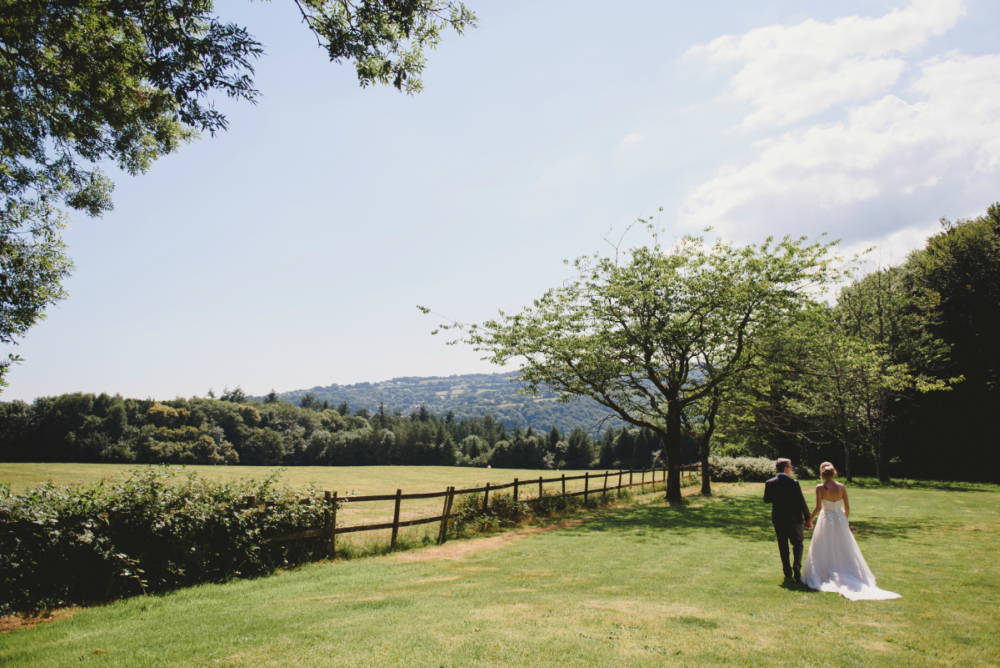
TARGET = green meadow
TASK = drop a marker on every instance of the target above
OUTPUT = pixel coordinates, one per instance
(643, 584)
(341, 479)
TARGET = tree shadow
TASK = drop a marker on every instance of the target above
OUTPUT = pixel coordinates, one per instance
(934, 485)
(746, 518)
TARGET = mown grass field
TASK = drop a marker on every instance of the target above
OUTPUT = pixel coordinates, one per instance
(644, 585)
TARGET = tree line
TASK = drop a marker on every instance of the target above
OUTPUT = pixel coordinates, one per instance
(233, 429)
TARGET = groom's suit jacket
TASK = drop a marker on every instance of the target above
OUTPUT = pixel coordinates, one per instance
(785, 497)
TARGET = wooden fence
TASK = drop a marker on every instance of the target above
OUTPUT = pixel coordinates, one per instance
(523, 490)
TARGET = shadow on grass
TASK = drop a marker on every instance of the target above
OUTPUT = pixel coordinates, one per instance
(935, 485)
(798, 587)
(745, 518)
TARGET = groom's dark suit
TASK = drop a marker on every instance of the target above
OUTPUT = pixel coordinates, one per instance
(788, 511)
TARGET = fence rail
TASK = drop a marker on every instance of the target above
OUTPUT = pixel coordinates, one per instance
(522, 491)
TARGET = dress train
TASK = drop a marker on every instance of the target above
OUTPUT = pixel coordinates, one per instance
(835, 563)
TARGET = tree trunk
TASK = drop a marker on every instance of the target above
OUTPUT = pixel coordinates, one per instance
(847, 462)
(706, 483)
(673, 448)
(880, 468)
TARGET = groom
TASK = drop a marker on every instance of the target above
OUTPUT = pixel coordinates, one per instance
(788, 511)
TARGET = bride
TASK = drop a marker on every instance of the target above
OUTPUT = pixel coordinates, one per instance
(834, 562)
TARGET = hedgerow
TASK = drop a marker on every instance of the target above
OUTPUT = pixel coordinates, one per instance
(145, 532)
(741, 469)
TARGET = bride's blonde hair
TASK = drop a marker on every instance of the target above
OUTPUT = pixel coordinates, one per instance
(827, 470)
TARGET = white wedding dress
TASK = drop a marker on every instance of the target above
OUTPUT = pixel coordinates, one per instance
(834, 562)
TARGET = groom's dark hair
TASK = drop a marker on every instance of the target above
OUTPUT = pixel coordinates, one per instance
(782, 463)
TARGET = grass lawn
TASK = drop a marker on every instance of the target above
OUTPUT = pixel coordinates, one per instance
(645, 585)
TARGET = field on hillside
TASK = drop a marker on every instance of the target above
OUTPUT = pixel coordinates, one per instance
(341, 479)
(644, 585)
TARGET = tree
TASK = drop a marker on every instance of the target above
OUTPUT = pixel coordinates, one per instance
(235, 395)
(554, 437)
(841, 380)
(127, 81)
(892, 352)
(635, 333)
(32, 268)
(606, 453)
(962, 265)
(580, 450)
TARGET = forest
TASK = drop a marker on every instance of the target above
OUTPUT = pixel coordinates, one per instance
(233, 429)
(897, 378)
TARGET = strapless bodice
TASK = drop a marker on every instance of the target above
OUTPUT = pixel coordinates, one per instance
(833, 505)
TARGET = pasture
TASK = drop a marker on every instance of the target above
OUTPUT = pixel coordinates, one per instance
(342, 479)
(638, 585)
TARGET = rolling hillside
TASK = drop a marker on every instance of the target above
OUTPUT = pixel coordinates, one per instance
(468, 395)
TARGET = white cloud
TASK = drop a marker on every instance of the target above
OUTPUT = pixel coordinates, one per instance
(792, 72)
(946, 139)
(892, 248)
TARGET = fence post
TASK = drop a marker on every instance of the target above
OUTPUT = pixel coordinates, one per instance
(251, 501)
(323, 549)
(332, 533)
(395, 518)
(444, 512)
(630, 477)
(444, 515)
(642, 485)
(486, 498)
(586, 486)
(564, 483)
(515, 490)
(539, 487)
(605, 492)
(619, 480)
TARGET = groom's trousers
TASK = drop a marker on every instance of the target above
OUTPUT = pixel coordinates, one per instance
(789, 531)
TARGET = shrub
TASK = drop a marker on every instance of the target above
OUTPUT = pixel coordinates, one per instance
(147, 531)
(741, 469)
(468, 516)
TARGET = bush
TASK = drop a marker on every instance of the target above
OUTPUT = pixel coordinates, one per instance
(741, 469)
(147, 531)
(469, 518)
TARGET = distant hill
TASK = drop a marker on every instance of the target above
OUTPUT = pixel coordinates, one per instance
(468, 395)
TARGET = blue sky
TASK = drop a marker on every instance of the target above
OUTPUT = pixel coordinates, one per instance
(291, 251)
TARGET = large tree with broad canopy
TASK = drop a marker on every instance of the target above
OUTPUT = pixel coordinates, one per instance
(654, 333)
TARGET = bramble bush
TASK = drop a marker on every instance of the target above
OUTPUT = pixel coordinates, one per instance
(144, 532)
